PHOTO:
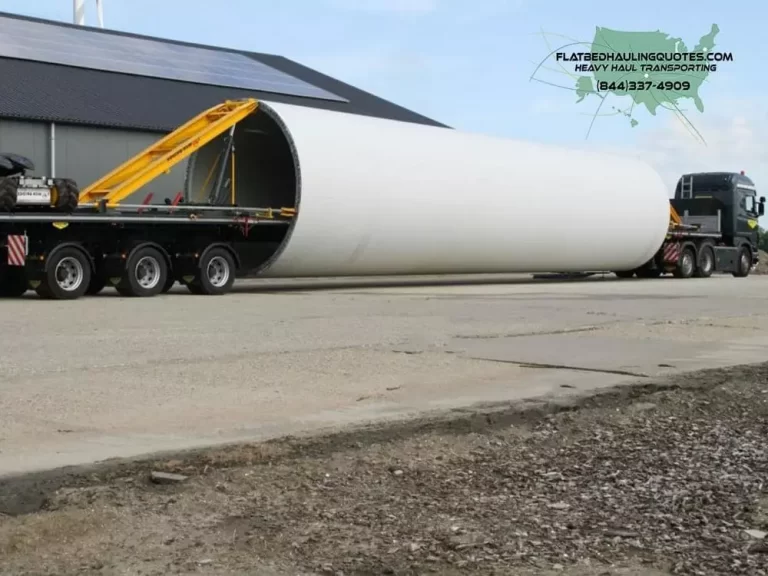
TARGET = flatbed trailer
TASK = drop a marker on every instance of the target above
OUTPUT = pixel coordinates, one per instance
(140, 250)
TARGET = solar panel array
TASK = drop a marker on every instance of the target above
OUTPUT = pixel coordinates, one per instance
(84, 48)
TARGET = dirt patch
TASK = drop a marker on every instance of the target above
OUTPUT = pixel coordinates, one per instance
(657, 479)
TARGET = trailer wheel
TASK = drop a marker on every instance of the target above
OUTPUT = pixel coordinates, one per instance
(97, 283)
(686, 265)
(168, 284)
(216, 275)
(13, 283)
(8, 194)
(624, 273)
(744, 265)
(145, 273)
(67, 275)
(65, 194)
(194, 288)
(706, 262)
(649, 272)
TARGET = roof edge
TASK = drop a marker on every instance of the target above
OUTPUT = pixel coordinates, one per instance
(286, 65)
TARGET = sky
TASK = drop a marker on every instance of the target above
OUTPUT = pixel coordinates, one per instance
(469, 64)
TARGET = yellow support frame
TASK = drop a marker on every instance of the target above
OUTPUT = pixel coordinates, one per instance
(674, 217)
(164, 154)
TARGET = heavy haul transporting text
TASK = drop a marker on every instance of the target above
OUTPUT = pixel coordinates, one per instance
(645, 61)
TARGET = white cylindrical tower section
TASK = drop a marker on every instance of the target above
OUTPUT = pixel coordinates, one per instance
(377, 196)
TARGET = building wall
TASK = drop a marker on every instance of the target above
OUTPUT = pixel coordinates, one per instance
(86, 153)
(29, 139)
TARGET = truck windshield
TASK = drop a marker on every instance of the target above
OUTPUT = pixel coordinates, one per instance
(712, 183)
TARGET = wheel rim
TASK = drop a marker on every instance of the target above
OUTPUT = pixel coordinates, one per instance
(687, 263)
(69, 274)
(707, 264)
(744, 261)
(148, 272)
(218, 271)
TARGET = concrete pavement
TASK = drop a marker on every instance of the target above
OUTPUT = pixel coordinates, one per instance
(107, 377)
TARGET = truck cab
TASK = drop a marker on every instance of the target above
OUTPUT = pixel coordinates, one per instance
(722, 202)
(713, 227)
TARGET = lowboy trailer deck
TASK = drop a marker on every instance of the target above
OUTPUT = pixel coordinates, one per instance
(140, 250)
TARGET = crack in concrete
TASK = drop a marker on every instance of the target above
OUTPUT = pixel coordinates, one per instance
(561, 367)
(527, 334)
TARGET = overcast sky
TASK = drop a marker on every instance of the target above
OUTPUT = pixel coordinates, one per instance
(468, 64)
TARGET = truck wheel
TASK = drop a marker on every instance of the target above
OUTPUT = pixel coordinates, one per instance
(145, 273)
(8, 194)
(67, 275)
(13, 283)
(624, 273)
(686, 265)
(744, 264)
(648, 272)
(168, 284)
(216, 275)
(194, 288)
(706, 262)
(97, 283)
(66, 195)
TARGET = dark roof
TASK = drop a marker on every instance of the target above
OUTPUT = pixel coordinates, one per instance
(54, 93)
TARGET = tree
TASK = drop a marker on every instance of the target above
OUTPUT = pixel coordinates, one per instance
(762, 242)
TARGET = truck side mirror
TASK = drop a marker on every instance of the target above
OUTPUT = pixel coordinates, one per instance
(762, 199)
(761, 209)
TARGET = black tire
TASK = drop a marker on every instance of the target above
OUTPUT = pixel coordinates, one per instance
(13, 282)
(97, 283)
(647, 272)
(67, 275)
(686, 264)
(216, 273)
(650, 269)
(194, 288)
(145, 273)
(624, 273)
(706, 264)
(66, 195)
(169, 282)
(744, 263)
(8, 194)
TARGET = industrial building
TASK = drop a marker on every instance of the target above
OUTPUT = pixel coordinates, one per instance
(79, 101)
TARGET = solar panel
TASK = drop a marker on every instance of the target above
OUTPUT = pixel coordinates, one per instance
(83, 48)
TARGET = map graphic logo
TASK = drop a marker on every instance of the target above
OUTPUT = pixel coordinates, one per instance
(627, 72)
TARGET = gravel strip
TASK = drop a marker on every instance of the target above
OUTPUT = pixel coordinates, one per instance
(674, 483)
